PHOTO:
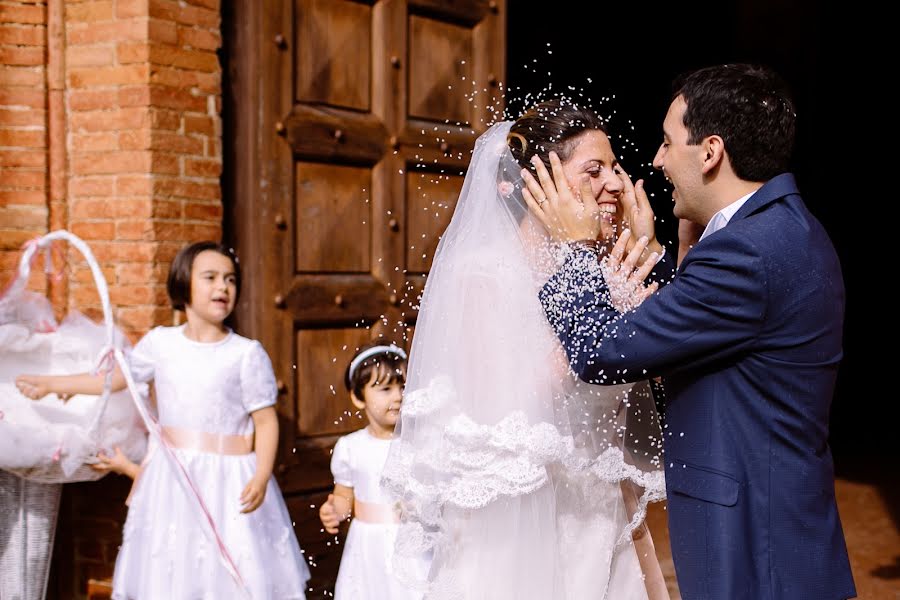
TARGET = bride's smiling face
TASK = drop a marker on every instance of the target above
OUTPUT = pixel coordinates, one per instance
(590, 154)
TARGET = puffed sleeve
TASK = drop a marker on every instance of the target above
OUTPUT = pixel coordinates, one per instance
(340, 463)
(143, 357)
(258, 388)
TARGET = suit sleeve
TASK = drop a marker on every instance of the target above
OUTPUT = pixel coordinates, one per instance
(712, 310)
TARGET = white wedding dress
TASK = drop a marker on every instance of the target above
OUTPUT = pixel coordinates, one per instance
(522, 482)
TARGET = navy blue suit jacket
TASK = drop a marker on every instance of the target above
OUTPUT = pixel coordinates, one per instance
(748, 338)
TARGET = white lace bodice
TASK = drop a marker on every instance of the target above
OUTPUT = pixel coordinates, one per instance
(211, 387)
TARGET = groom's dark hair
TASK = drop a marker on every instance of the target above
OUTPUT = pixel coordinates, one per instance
(750, 108)
(551, 125)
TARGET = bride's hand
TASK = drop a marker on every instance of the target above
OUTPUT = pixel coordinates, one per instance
(625, 282)
(569, 214)
(637, 214)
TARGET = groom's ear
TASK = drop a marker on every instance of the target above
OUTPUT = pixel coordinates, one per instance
(714, 149)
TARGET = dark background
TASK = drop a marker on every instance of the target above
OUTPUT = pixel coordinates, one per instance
(633, 51)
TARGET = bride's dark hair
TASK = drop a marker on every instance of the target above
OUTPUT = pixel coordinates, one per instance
(548, 126)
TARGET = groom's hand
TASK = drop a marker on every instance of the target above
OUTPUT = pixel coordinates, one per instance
(568, 215)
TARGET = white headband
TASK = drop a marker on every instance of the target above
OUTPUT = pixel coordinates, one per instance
(392, 349)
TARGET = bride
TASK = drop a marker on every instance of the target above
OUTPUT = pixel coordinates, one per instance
(518, 480)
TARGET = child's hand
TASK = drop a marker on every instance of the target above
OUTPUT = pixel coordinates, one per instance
(34, 386)
(118, 463)
(328, 514)
(254, 494)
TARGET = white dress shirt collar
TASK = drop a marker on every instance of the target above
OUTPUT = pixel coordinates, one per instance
(721, 218)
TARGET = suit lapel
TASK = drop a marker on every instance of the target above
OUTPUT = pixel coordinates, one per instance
(776, 188)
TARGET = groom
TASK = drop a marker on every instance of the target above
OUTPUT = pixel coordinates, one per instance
(747, 336)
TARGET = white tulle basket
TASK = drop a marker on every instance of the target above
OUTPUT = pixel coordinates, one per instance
(51, 441)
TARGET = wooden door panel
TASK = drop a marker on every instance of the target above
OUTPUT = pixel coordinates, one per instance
(333, 52)
(430, 201)
(354, 122)
(440, 70)
(323, 406)
(333, 218)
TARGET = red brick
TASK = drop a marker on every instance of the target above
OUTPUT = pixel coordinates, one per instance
(89, 12)
(133, 52)
(81, 295)
(212, 4)
(13, 76)
(131, 8)
(188, 189)
(23, 138)
(95, 142)
(93, 230)
(167, 209)
(138, 95)
(13, 239)
(134, 185)
(23, 158)
(109, 120)
(176, 142)
(165, 119)
(23, 55)
(21, 117)
(195, 15)
(165, 164)
(211, 83)
(166, 10)
(109, 76)
(35, 15)
(143, 318)
(23, 97)
(23, 35)
(203, 212)
(19, 197)
(83, 274)
(92, 186)
(21, 179)
(162, 75)
(137, 139)
(181, 99)
(173, 56)
(202, 232)
(32, 217)
(169, 231)
(201, 39)
(135, 230)
(162, 31)
(112, 31)
(136, 295)
(202, 168)
(81, 100)
(89, 56)
(118, 208)
(127, 273)
(111, 162)
(126, 251)
(199, 124)
(213, 147)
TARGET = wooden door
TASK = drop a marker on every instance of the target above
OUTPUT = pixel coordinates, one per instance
(348, 128)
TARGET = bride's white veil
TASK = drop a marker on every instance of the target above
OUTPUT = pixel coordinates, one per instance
(510, 472)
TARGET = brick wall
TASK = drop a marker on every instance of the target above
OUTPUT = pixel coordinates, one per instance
(144, 142)
(109, 127)
(23, 129)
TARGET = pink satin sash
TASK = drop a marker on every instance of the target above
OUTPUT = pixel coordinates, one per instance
(371, 512)
(189, 439)
(215, 443)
